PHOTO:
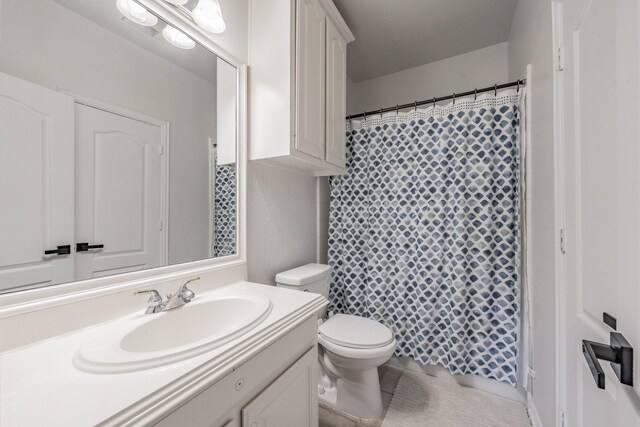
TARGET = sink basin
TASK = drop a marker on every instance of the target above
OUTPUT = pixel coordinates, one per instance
(144, 341)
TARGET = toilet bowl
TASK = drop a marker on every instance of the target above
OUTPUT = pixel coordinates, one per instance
(350, 349)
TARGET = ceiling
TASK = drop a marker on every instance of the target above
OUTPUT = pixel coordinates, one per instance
(400, 34)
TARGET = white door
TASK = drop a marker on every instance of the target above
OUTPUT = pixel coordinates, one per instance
(601, 83)
(310, 74)
(36, 184)
(118, 194)
(291, 400)
(336, 95)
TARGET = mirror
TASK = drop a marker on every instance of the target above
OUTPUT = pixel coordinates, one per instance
(117, 143)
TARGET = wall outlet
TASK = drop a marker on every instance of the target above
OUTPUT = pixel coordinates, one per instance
(531, 373)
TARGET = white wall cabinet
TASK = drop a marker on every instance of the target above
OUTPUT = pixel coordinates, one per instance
(297, 85)
(336, 99)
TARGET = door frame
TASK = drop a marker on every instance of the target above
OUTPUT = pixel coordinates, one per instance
(557, 27)
(164, 126)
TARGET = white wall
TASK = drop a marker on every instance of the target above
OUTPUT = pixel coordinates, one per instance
(62, 49)
(480, 68)
(281, 211)
(323, 219)
(281, 205)
(530, 42)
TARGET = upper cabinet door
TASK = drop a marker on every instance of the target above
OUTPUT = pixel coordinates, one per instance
(336, 95)
(310, 78)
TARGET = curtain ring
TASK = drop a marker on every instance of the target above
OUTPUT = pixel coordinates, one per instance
(454, 98)
(380, 112)
(349, 118)
(518, 90)
(397, 109)
(415, 105)
(365, 115)
(434, 102)
(495, 90)
(475, 94)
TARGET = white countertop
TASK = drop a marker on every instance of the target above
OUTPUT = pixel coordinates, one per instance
(40, 386)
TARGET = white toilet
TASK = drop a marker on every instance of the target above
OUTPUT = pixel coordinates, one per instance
(351, 349)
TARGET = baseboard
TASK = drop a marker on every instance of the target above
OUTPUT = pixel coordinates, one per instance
(533, 414)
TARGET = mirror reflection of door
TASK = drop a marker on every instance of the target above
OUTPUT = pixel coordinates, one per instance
(36, 184)
(119, 182)
(111, 137)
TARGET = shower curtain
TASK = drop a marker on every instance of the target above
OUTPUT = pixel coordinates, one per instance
(224, 209)
(424, 232)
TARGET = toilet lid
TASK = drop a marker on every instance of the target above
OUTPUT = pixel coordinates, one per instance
(355, 332)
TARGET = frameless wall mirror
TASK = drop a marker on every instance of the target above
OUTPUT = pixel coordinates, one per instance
(117, 143)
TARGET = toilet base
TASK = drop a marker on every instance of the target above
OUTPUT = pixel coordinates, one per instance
(357, 395)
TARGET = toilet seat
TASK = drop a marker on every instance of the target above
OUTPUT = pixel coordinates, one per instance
(356, 337)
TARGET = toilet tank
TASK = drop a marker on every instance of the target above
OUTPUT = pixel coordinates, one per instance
(310, 278)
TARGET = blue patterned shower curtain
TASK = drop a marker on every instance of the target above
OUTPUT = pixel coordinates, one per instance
(224, 220)
(424, 232)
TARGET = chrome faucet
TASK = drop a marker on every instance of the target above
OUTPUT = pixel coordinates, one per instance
(180, 298)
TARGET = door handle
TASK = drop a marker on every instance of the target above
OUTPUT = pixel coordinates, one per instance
(83, 247)
(60, 250)
(619, 353)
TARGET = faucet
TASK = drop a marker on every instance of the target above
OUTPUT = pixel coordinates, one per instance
(183, 296)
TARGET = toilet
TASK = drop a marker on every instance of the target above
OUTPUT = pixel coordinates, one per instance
(350, 349)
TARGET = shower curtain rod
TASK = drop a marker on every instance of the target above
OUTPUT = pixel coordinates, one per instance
(416, 104)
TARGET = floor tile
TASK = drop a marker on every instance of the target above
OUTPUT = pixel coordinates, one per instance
(329, 418)
(390, 380)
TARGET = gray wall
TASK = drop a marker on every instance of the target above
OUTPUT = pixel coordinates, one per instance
(530, 42)
(479, 68)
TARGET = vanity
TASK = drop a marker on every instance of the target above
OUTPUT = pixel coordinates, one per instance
(196, 369)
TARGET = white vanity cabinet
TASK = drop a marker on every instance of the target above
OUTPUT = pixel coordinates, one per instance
(290, 400)
(278, 387)
(297, 85)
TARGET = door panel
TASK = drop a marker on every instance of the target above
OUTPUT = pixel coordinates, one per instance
(310, 78)
(119, 185)
(291, 400)
(336, 95)
(36, 184)
(601, 83)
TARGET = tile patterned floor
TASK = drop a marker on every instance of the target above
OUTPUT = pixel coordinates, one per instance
(389, 378)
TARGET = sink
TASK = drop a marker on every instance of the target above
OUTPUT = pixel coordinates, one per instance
(144, 341)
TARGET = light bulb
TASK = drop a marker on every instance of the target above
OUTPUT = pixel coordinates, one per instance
(177, 2)
(136, 13)
(177, 38)
(208, 15)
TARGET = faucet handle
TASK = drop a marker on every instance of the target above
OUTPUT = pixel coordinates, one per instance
(155, 300)
(186, 293)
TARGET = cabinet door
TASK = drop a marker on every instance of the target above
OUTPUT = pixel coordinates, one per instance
(310, 78)
(336, 95)
(291, 400)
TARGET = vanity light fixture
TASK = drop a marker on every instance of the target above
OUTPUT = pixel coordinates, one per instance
(177, 38)
(136, 13)
(208, 15)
